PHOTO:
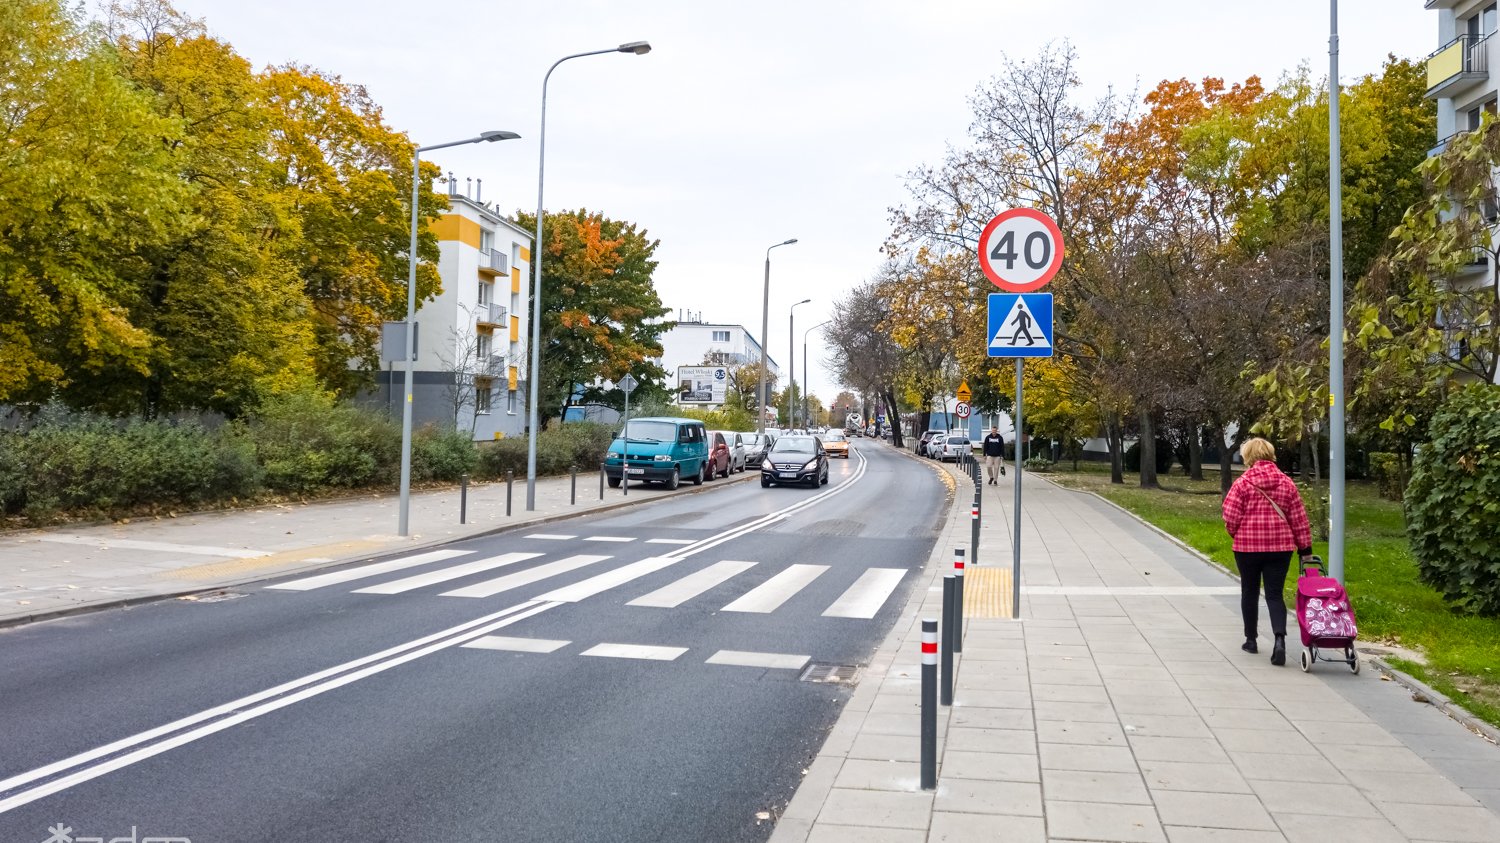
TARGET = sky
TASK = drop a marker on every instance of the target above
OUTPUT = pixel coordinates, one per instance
(752, 122)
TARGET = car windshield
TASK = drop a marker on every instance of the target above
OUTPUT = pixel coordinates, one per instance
(793, 445)
(751, 439)
(957, 440)
(834, 436)
(650, 431)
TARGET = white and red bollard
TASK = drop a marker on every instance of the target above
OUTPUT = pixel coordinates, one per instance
(958, 600)
(929, 703)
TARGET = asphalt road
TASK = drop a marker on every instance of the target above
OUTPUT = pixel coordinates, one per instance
(630, 676)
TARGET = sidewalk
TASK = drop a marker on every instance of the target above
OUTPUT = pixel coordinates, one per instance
(44, 573)
(1121, 708)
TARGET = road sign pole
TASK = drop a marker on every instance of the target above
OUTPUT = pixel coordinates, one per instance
(1015, 544)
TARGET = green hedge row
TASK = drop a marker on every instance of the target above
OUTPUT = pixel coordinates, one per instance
(296, 445)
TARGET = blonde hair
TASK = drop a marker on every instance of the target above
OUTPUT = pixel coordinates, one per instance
(1256, 449)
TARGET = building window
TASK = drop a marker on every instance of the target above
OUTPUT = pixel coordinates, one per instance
(510, 402)
(486, 241)
(482, 345)
(485, 293)
(721, 336)
(482, 398)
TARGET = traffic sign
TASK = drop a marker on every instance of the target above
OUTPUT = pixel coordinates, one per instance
(963, 393)
(628, 383)
(1020, 250)
(961, 409)
(1020, 325)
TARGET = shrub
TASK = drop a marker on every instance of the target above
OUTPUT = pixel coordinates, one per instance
(1452, 500)
(558, 448)
(1387, 471)
(442, 455)
(307, 441)
(1038, 464)
(1163, 457)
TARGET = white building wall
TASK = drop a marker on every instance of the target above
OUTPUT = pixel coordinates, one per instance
(688, 343)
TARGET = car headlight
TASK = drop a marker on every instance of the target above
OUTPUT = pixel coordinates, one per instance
(613, 455)
(663, 457)
(812, 463)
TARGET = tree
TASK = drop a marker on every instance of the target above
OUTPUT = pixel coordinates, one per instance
(601, 316)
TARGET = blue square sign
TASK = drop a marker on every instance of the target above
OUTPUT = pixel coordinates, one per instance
(1020, 325)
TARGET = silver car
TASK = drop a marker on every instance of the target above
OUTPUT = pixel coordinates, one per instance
(756, 445)
(737, 452)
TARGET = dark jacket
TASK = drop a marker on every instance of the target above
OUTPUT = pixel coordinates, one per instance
(994, 445)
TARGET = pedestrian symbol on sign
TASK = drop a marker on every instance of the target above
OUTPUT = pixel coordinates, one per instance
(1020, 325)
(1023, 323)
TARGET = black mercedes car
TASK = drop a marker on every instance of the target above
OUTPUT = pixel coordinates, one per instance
(795, 459)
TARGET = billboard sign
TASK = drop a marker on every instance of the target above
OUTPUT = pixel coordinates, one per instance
(702, 384)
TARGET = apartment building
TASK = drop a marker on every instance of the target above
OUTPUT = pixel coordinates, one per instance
(692, 341)
(470, 348)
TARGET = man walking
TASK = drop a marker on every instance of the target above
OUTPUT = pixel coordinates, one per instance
(994, 455)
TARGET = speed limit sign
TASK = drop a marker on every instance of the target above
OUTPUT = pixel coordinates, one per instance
(1020, 250)
(961, 409)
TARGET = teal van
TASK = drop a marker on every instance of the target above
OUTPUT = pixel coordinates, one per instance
(662, 450)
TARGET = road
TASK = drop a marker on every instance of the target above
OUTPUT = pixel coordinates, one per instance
(631, 676)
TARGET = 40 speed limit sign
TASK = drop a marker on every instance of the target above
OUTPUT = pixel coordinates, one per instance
(1020, 250)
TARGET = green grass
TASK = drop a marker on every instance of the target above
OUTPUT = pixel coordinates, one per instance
(1392, 604)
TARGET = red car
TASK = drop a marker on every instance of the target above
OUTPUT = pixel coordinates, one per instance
(719, 459)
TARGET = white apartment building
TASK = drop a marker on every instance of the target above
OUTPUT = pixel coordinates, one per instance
(691, 342)
(470, 349)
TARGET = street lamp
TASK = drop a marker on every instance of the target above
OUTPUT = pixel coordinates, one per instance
(765, 341)
(639, 48)
(791, 361)
(805, 419)
(404, 508)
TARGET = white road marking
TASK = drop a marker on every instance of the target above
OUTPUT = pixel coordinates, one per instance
(1131, 590)
(620, 539)
(635, 651)
(321, 580)
(675, 594)
(669, 541)
(550, 537)
(867, 595)
(161, 547)
(445, 574)
(769, 595)
(517, 645)
(742, 658)
(489, 588)
(612, 579)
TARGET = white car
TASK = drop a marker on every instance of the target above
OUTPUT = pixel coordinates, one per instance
(935, 445)
(756, 445)
(953, 447)
(737, 452)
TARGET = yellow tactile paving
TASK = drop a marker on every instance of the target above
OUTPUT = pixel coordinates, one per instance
(237, 567)
(987, 592)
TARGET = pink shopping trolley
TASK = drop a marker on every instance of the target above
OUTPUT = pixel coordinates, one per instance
(1325, 617)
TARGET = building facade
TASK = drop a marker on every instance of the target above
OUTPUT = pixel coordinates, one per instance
(471, 353)
(690, 343)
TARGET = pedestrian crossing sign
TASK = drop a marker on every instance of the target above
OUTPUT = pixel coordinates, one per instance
(1020, 325)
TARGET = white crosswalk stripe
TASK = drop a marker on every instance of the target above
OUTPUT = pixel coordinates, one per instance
(867, 595)
(489, 588)
(517, 645)
(551, 537)
(676, 593)
(635, 651)
(610, 579)
(445, 574)
(769, 595)
(741, 658)
(617, 539)
(321, 580)
(669, 541)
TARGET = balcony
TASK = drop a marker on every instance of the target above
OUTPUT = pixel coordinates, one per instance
(1458, 63)
(490, 314)
(492, 366)
(494, 262)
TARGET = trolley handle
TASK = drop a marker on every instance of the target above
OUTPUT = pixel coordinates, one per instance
(1313, 566)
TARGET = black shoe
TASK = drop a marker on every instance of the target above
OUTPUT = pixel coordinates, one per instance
(1249, 646)
(1278, 652)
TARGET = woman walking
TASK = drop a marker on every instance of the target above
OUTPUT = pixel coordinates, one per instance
(1264, 515)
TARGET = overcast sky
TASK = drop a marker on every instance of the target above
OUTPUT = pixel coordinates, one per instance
(753, 122)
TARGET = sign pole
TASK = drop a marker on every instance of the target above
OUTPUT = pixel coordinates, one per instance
(1015, 545)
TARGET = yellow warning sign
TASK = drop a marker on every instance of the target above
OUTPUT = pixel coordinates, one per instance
(963, 394)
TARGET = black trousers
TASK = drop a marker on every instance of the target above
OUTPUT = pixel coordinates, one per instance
(1270, 568)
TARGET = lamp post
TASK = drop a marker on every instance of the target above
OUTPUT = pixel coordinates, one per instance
(639, 48)
(765, 341)
(791, 336)
(805, 419)
(1335, 310)
(403, 516)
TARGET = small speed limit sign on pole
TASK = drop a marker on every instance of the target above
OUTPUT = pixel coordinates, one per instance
(1020, 250)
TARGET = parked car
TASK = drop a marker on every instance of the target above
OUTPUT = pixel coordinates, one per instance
(921, 446)
(795, 459)
(662, 450)
(736, 442)
(836, 444)
(934, 445)
(956, 445)
(719, 459)
(755, 447)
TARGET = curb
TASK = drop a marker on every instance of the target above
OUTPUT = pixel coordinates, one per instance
(129, 602)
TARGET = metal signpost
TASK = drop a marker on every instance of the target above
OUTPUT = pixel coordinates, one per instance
(627, 384)
(1020, 251)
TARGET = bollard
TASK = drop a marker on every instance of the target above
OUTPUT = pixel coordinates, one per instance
(573, 490)
(463, 498)
(510, 481)
(929, 703)
(947, 653)
(601, 481)
(974, 532)
(958, 600)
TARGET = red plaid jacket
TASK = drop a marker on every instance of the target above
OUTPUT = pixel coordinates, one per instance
(1253, 522)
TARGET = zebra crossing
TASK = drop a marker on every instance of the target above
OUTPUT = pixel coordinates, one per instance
(862, 599)
(640, 652)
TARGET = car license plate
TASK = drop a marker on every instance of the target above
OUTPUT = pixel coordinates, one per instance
(788, 475)
(635, 471)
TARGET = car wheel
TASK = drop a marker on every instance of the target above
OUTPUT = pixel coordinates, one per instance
(614, 482)
(701, 475)
(825, 477)
(675, 479)
(764, 483)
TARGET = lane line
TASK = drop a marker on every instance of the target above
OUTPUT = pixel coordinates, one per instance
(551, 537)
(610, 579)
(769, 595)
(675, 594)
(160, 547)
(490, 588)
(620, 539)
(445, 574)
(321, 580)
(635, 651)
(743, 658)
(669, 541)
(867, 595)
(517, 645)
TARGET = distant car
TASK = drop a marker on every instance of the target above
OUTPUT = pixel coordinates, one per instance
(935, 445)
(755, 447)
(800, 460)
(925, 438)
(718, 455)
(836, 444)
(954, 447)
(736, 443)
